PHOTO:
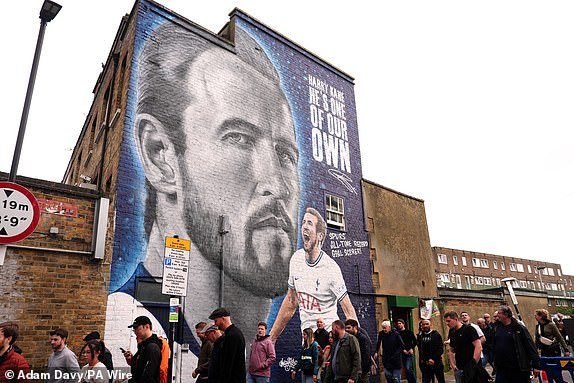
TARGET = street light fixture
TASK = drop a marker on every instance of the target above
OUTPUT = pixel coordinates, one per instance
(508, 281)
(49, 10)
(540, 268)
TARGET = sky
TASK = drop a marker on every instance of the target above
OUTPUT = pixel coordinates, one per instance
(467, 105)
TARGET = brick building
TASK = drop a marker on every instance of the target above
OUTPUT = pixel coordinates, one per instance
(225, 139)
(470, 270)
(55, 277)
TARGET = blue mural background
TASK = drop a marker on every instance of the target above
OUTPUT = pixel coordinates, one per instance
(294, 66)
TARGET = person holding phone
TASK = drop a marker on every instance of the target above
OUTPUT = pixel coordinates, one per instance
(145, 364)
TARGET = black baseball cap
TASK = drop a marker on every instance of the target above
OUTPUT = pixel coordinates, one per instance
(91, 336)
(140, 321)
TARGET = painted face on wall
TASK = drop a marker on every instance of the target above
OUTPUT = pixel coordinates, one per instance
(241, 163)
(309, 233)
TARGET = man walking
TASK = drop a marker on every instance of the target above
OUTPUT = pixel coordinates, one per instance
(365, 345)
(410, 342)
(465, 346)
(62, 360)
(261, 356)
(392, 347)
(345, 363)
(514, 351)
(233, 348)
(145, 364)
(321, 335)
(13, 366)
(213, 335)
(202, 368)
(431, 348)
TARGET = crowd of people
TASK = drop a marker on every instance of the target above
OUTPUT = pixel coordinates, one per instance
(334, 352)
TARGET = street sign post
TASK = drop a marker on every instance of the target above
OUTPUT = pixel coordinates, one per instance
(19, 212)
(175, 266)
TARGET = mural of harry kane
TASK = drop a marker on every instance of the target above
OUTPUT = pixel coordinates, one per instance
(316, 283)
(216, 138)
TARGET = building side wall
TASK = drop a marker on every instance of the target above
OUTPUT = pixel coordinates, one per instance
(49, 280)
(316, 109)
(400, 244)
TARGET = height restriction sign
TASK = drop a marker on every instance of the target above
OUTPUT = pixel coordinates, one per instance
(19, 212)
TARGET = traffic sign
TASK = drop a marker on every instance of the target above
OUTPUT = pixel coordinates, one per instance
(19, 212)
(175, 266)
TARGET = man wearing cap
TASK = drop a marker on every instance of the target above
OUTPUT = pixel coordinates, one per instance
(202, 368)
(233, 350)
(213, 335)
(106, 356)
(146, 362)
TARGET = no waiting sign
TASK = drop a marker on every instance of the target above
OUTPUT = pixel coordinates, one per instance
(19, 212)
(175, 266)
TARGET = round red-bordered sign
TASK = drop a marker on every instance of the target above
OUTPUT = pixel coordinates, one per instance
(19, 212)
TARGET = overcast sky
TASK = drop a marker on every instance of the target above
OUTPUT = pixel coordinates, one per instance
(468, 106)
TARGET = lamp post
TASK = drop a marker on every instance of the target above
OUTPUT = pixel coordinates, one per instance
(47, 13)
(508, 281)
(540, 268)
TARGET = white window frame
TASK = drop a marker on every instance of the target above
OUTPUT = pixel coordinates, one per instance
(464, 261)
(335, 212)
(484, 263)
(442, 258)
(475, 262)
(455, 260)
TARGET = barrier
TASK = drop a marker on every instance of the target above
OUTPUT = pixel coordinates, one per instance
(552, 368)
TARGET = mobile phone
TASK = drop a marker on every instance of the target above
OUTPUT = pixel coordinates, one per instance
(122, 350)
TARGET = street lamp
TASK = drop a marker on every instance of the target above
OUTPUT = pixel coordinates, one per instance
(49, 10)
(540, 268)
(508, 281)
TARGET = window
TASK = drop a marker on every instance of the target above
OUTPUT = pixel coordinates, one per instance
(529, 269)
(148, 289)
(479, 280)
(487, 281)
(550, 271)
(512, 266)
(523, 284)
(464, 261)
(455, 260)
(335, 212)
(442, 259)
(502, 267)
(559, 272)
(475, 262)
(495, 265)
(484, 263)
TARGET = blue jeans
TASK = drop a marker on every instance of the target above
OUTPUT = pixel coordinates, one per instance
(393, 376)
(257, 379)
(408, 365)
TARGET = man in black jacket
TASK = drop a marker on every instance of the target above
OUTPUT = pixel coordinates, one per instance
(431, 348)
(145, 363)
(365, 344)
(232, 356)
(408, 355)
(515, 354)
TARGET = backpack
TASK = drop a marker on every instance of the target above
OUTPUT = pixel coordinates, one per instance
(164, 365)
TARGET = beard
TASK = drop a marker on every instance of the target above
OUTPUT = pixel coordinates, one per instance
(256, 258)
